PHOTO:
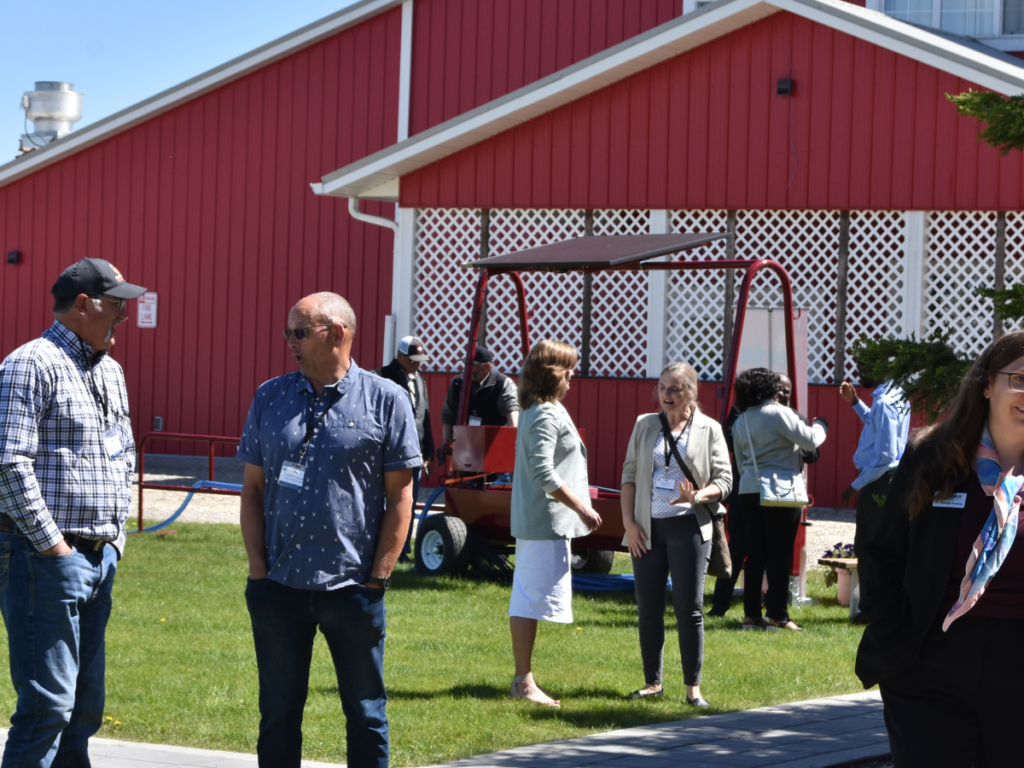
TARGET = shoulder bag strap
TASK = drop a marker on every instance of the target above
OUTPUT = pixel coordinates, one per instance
(753, 455)
(667, 432)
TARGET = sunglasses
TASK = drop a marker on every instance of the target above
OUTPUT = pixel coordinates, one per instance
(301, 333)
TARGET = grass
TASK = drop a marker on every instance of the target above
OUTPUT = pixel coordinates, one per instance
(181, 668)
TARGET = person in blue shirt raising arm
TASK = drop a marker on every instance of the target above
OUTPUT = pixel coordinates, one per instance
(881, 446)
(329, 452)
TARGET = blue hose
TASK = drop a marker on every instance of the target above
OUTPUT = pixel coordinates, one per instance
(430, 502)
(177, 514)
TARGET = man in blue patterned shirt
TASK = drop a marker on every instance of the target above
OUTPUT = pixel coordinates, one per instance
(66, 462)
(326, 501)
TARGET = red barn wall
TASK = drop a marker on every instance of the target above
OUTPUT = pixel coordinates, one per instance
(872, 130)
(209, 205)
(469, 52)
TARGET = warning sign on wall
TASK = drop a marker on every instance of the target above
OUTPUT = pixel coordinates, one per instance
(147, 310)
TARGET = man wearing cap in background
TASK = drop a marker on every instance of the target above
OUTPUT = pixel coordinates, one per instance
(493, 399)
(404, 371)
(66, 463)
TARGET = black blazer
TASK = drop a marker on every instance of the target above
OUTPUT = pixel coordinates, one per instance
(393, 371)
(904, 577)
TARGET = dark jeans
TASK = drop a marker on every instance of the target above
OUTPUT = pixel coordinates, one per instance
(722, 599)
(284, 623)
(406, 549)
(771, 532)
(56, 609)
(675, 547)
(957, 705)
(870, 501)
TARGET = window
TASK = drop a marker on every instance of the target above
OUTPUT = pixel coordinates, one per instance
(970, 18)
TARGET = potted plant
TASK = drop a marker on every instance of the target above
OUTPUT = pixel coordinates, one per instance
(839, 576)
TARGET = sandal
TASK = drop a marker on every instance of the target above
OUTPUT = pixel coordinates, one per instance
(531, 691)
(789, 625)
(749, 623)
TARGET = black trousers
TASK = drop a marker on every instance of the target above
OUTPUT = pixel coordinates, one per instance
(870, 502)
(675, 547)
(737, 552)
(958, 705)
(771, 532)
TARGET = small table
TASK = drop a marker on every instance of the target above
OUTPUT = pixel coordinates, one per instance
(847, 564)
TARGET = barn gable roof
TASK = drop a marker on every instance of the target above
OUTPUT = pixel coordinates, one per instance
(376, 176)
(191, 89)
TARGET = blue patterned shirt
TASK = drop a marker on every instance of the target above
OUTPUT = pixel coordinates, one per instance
(324, 535)
(55, 472)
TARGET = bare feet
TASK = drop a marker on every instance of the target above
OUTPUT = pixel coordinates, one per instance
(525, 687)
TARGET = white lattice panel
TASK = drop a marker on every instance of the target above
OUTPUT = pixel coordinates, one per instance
(875, 278)
(806, 243)
(696, 301)
(1014, 260)
(961, 257)
(618, 315)
(445, 238)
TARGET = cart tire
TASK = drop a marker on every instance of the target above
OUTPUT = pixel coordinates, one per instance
(592, 560)
(441, 546)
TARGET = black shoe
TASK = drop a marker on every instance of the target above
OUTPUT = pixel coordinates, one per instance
(404, 558)
(714, 612)
(699, 702)
(642, 695)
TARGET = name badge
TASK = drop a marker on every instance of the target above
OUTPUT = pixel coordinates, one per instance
(475, 421)
(665, 484)
(112, 444)
(292, 475)
(956, 501)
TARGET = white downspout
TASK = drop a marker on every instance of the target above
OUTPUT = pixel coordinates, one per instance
(380, 221)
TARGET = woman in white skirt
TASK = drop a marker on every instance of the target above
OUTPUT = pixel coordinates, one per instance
(550, 506)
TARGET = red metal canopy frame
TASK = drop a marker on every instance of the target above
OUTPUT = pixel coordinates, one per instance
(626, 253)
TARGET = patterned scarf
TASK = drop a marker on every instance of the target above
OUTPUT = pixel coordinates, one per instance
(996, 538)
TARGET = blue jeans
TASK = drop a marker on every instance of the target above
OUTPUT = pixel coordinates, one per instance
(284, 623)
(56, 609)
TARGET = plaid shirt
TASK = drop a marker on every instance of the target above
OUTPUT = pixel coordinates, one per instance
(55, 474)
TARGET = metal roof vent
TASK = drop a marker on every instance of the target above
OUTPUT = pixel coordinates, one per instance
(53, 108)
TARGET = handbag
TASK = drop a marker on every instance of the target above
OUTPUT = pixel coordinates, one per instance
(776, 492)
(720, 561)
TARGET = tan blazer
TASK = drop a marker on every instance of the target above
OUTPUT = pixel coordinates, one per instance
(707, 457)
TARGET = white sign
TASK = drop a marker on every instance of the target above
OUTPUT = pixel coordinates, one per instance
(146, 308)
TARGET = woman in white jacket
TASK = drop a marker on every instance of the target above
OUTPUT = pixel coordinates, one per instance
(775, 434)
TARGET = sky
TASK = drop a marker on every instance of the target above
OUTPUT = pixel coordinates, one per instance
(119, 52)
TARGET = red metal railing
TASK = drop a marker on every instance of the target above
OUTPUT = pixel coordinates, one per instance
(210, 441)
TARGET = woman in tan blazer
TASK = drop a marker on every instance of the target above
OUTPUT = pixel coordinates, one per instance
(668, 522)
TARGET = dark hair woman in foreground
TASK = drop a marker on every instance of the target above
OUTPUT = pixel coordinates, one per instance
(945, 590)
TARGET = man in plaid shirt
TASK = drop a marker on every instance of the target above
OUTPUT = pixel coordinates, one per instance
(66, 463)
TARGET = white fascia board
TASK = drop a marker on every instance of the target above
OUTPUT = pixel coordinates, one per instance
(547, 94)
(190, 89)
(915, 43)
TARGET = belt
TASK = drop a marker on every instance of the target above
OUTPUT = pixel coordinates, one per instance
(81, 542)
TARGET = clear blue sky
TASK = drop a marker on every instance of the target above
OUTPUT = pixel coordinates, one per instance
(119, 52)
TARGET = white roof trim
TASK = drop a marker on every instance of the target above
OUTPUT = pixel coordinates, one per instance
(659, 44)
(190, 89)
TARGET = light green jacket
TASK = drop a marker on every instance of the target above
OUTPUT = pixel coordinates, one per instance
(549, 454)
(707, 457)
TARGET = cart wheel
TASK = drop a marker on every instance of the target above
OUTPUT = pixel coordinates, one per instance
(441, 546)
(592, 560)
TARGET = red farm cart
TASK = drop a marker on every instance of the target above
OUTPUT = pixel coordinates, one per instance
(477, 493)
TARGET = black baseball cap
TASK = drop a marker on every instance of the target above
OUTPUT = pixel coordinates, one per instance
(94, 277)
(483, 355)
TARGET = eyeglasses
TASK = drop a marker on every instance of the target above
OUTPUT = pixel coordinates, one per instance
(120, 303)
(1016, 380)
(301, 333)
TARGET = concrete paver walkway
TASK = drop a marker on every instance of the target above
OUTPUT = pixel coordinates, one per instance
(820, 733)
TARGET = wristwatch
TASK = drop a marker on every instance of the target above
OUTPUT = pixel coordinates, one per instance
(384, 583)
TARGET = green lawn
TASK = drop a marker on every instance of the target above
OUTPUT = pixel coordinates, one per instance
(181, 669)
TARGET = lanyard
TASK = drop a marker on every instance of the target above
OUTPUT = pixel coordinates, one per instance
(671, 442)
(314, 422)
(103, 400)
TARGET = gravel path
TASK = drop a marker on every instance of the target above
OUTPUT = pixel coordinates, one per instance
(828, 526)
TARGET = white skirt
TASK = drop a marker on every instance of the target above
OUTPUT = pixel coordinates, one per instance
(542, 583)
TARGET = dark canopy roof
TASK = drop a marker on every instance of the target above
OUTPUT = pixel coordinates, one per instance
(602, 252)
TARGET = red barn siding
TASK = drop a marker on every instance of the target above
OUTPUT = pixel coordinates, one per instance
(872, 130)
(469, 52)
(209, 205)
(607, 409)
